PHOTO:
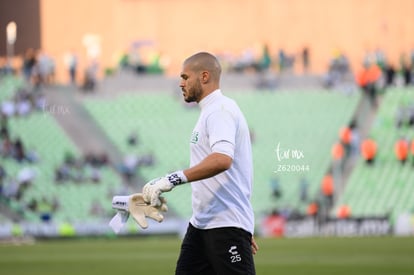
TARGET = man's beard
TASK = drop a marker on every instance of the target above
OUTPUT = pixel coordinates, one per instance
(194, 93)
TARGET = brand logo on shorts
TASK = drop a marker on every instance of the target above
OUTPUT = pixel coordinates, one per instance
(235, 256)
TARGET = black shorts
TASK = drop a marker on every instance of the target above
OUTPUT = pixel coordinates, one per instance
(218, 251)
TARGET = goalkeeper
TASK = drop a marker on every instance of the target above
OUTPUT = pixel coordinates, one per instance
(219, 237)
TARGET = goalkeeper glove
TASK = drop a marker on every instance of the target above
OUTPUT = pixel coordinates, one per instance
(153, 189)
(138, 208)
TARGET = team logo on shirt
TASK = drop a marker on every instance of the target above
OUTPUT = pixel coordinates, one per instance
(194, 137)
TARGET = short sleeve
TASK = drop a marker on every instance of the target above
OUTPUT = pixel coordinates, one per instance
(222, 128)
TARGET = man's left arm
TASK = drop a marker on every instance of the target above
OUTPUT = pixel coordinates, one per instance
(213, 164)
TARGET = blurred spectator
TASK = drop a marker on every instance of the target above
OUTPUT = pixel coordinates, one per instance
(404, 116)
(369, 150)
(132, 139)
(23, 106)
(62, 173)
(303, 189)
(406, 71)
(389, 71)
(39, 101)
(339, 71)
(95, 175)
(124, 61)
(89, 81)
(401, 149)
(6, 149)
(45, 68)
(154, 64)
(23, 181)
(410, 117)
(146, 160)
(69, 158)
(337, 151)
(71, 61)
(282, 60)
(275, 187)
(246, 61)
(344, 212)
(77, 173)
(400, 116)
(29, 62)
(266, 60)
(346, 138)
(46, 208)
(355, 139)
(2, 177)
(14, 187)
(274, 225)
(305, 59)
(286, 61)
(81, 170)
(26, 176)
(32, 204)
(368, 79)
(8, 108)
(327, 187)
(128, 167)
(11, 189)
(379, 58)
(4, 125)
(32, 156)
(313, 209)
(266, 79)
(18, 150)
(96, 160)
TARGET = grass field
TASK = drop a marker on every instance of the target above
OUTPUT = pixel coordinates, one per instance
(385, 255)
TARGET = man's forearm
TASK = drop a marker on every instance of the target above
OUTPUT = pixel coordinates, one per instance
(212, 165)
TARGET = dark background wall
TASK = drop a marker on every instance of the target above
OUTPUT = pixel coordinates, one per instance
(26, 14)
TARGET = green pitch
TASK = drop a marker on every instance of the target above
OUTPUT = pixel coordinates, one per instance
(330, 256)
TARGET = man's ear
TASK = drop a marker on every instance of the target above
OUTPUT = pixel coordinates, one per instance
(205, 77)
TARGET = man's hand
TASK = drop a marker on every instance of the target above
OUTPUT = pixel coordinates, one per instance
(255, 246)
(153, 189)
(139, 209)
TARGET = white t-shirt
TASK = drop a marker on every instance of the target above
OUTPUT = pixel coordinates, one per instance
(222, 200)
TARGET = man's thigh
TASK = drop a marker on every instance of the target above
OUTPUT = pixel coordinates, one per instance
(229, 251)
(192, 259)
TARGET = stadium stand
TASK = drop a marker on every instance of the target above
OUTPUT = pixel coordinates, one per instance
(40, 133)
(386, 187)
(292, 133)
